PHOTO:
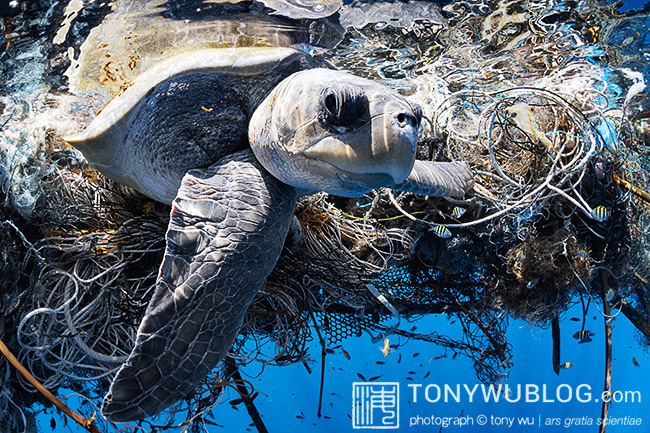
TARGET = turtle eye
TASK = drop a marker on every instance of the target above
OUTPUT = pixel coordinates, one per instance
(343, 106)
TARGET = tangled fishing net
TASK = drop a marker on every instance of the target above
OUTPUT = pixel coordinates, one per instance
(561, 170)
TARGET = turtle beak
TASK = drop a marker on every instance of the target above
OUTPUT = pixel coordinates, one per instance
(397, 148)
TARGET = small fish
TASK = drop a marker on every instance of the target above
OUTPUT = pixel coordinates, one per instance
(413, 372)
(416, 354)
(574, 319)
(566, 365)
(372, 379)
(380, 362)
(583, 336)
(458, 212)
(521, 257)
(301, 416)
(635, 362)
(386, 349)
(532, 283)
(582, 253)
(600, 213)
(427, 375)
(607, 397)
(441, 231)
(362, 377)
(345, 353)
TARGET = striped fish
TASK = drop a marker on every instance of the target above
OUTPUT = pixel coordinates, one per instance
(458, 212)
(441, 231)
(583, 336)
(600, 213)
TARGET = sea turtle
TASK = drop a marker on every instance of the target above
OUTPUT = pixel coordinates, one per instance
(230, 138)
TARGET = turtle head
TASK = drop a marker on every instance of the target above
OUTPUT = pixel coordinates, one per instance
(326, 130)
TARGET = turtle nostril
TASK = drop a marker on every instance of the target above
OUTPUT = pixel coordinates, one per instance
(406, 119)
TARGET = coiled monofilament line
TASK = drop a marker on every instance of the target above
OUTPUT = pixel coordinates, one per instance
(513, 194)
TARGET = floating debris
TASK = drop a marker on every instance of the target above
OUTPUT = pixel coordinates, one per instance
(566, 365)
(236, 401)
(610, 295)
(635, 362)
(532, 164)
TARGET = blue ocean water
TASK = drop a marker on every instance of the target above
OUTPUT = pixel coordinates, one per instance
(288, 399)
(437, 387)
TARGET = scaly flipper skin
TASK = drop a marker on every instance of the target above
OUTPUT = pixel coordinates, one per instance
(440, 179)
(227, 229)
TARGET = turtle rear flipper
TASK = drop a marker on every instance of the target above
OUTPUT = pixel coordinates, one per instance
(227, 229)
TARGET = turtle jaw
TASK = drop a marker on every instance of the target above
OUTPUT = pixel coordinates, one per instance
(325, 176)
(352, 172)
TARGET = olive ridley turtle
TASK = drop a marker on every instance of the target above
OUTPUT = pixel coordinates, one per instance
(230, 138)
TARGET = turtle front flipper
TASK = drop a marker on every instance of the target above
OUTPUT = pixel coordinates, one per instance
(441, 179)
(227, 228)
